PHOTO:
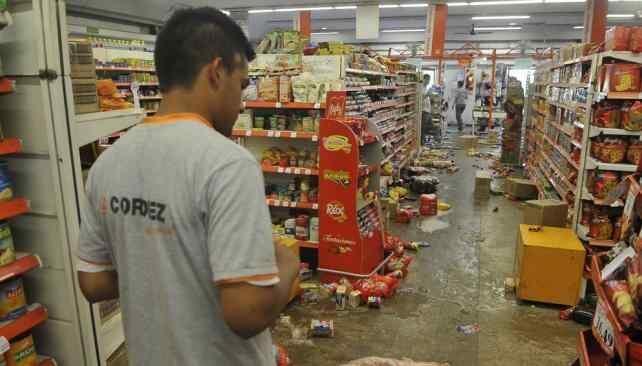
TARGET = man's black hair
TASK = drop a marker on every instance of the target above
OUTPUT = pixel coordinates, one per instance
(194, 37)
(460, 84)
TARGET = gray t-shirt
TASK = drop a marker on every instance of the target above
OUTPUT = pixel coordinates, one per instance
(177, 208)
(461, 96)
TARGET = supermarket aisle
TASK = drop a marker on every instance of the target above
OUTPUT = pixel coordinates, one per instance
(457, 281)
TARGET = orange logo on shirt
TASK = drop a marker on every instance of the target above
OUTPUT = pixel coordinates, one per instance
(103, 206)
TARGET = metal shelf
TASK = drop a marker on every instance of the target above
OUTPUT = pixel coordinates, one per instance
(596, 131)
(591, 163)
(92, 126)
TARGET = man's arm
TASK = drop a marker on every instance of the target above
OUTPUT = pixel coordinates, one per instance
(99, 286)
(250, 309)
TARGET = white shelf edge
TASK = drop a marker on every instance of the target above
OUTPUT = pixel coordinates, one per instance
(112, 335)
(92, 126)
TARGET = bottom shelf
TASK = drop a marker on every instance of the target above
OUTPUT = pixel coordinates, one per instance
(589, 351)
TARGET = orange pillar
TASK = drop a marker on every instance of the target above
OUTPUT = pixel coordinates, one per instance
(595, 20)
(303, 23)
(436, 18)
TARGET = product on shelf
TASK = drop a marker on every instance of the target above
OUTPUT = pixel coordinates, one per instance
(286, 42)
(109, 97)
(632, 116)
(13, 302)
(620, 77)
(611, 150)
(301, 158)
(296, 190)
(22, 352)
(7, 250)
(6, 185)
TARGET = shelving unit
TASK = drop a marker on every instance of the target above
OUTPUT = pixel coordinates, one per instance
(556, 107)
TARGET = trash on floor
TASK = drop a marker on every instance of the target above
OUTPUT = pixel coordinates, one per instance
(322, 328)
(468, 329)
(378, 361)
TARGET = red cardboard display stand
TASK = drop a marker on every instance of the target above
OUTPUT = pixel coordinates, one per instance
(350, 228)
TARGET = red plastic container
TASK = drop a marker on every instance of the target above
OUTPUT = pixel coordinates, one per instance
(428, 204)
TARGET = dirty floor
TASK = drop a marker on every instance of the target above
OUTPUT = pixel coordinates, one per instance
(459, 280)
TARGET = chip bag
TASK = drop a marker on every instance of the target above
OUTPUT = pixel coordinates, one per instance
(618, 293)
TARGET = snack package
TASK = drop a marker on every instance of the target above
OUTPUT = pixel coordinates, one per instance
(634, 279)
(300, 89)
(313, 91)
(284, 89)
(618, 293)
(622, 77)
(617, 38)
(607, 116)
(268, 89)
(632, 116)
(635, 41)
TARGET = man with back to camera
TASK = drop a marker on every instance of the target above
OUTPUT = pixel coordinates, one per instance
(175, 222)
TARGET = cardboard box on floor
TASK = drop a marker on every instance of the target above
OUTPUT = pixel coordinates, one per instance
(482, 184)
(545, 213)
(522, 189)
(468, 142)
(548, 265)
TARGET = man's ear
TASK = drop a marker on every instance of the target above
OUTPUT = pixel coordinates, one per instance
(215, 71)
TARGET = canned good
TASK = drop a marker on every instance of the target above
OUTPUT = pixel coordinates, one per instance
(13, 302)
(428, 205)
(314, 229)
(302, 226)
(259, 122)
(7, 250)
(274, 123)
(290, 226)
(6, 190)
(22, 352)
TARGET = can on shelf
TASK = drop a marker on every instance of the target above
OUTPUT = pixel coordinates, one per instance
(302, 227)
(22, 352)
(290, 226)
(314, 229)
(7, 250)
(13, 302)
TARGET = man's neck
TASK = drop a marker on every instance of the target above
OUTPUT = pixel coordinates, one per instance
(181, 101)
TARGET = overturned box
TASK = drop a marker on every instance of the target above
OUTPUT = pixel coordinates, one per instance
(545, 213)
(520, 188)
(482, 184)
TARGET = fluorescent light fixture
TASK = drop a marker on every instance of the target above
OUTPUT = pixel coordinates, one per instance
(388, 6)
(416, 5)
(288, 10)
(402, 30)
(623, 1)
(457, 4)
(323, 33)
(620, 15)
(501, 17)
(508, 2)
(578, 27)
(259, 11)
(225, 12)
(563, 1)
(345, 7)
(512, 23)
(496, 28)
(324, 28)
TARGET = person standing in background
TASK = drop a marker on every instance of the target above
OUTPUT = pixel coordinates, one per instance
(461, 96)
(426, 116)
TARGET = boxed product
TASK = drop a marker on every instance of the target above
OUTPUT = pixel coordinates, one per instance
(482, 184)
(617, 38)
(468, 142)
(635, 43)
(285, 94)
(621, 77)
(545, 213)
(268, 89)
(519, 188)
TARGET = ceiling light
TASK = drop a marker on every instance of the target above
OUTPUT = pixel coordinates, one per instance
(225, 12)
(578, 27)
(620, 15)
(497, 28)
(457, 4)
(324, 28)
(501, 17)
(258, 11)
(512, 23)
(387, 6)
(323, 33)
(287, 10)
(509, 2)
(345, 7)
(563, 1)
(624, 1)
(402, 30)
(417, 5)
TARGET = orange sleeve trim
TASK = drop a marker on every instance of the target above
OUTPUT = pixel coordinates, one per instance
(96, 263)
(261, 277)
(177, 117)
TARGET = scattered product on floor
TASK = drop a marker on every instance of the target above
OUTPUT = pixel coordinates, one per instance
(377, 361)
(468, 329)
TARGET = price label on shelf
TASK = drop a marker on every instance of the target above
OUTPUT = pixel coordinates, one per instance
(315, 138)
(317, 105)
(603, 327)
(277, 134)
(297, 171)
(315, 206)
(248, 133)
(279, 105)
(293, 135)
(270, 133)
(307, 172)
(279, 170)
(288, 170)
(293, 204)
